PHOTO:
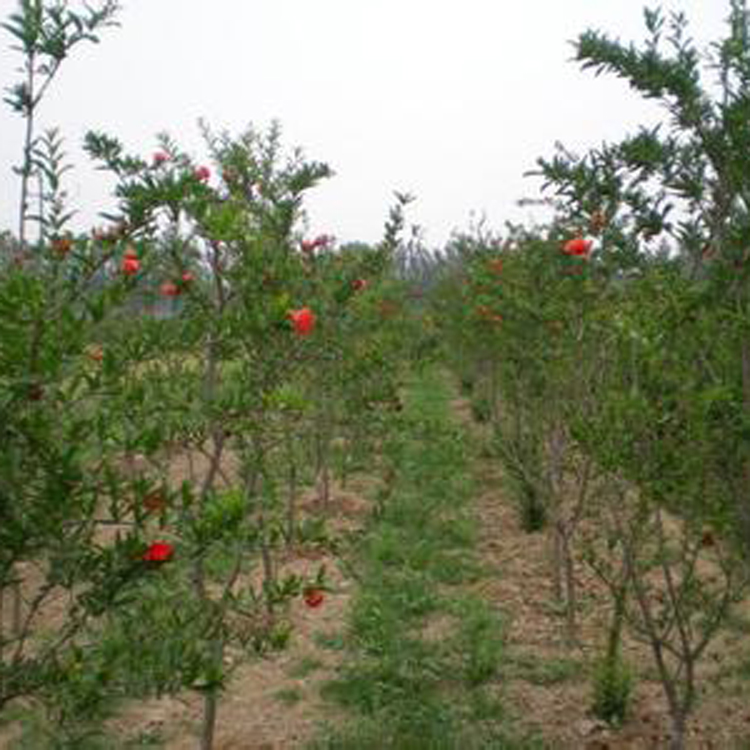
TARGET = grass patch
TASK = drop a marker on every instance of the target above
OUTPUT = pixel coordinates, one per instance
(38, 732)
(147, 738)
(479, 642)
(406, 689)
(543, 671)
(333, 641)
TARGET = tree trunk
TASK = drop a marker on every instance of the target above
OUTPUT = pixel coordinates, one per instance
(210, 710)
(2, 644)
(571, 595)
(211, 697)
(26, 169)
(679, 727)
(291, 506)
(557, 562)
(743, 509)
(17, 608)
(321, 463)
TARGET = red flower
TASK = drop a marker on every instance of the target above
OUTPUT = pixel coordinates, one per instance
(62, 246)
(130, 265)
(160, 157)
(577, 247)
(303, 321)
(313, 597)
(308, 246)
(187, 278)
(168, 289)
(158, 552)
(203, 174)
(359, 285)
(96, 354)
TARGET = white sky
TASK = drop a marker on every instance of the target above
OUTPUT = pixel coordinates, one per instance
(451, 101)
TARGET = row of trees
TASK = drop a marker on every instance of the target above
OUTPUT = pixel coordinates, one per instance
(151, 465)
(611, 353)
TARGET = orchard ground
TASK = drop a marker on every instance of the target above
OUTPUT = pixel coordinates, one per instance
(540, 686)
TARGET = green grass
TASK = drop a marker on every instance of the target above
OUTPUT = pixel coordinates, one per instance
(404, 686)
(332, 641)
(544, 671)
(38, 732)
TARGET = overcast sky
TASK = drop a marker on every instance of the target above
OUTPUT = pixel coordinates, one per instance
(451, 101)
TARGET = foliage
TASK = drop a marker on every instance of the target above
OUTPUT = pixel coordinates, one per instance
(613, 686)
(616, 366)
(45, 33)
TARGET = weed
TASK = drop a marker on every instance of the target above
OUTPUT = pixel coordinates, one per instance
(453, 569)
(467, 385)
(480, 642)
(313, 532)
(147, 738)
(531, 508)
(330, 641)
(539, 671)
(481, 410)
(613, 687)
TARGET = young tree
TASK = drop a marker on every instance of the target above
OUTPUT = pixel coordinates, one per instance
(672, 413)
(45, 33)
